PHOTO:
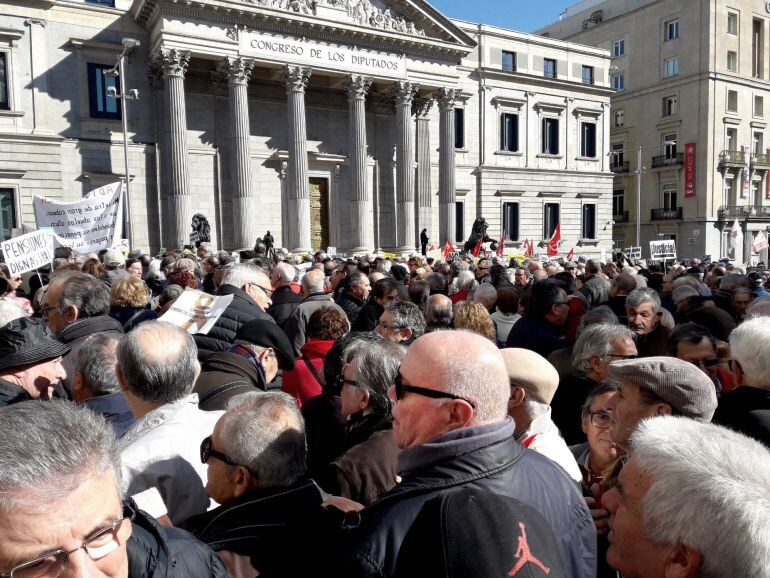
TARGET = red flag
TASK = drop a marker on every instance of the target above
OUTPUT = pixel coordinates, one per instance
(477, 249)
(553, 243)
(501, 246)
(527, 248)
(448, 248)
(432, 247)
(571, 254)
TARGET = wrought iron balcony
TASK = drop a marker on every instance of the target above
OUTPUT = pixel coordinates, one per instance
(760, 161)
(666, 214)
(667, 160)
(621, 217)
(617, 167)
(732, 158)
(730, 212)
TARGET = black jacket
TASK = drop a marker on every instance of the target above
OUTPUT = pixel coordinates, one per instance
(75, 334)
(369, 316)
(241, 310)
(156, 551)
(11, 393)
(566, 407)
(746, 410)
(350, 304)
(483, 457)
(225, 375)
(285, 301)
(536, 334)
(115, 410)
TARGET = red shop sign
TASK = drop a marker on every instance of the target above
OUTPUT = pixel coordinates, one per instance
(689, 170)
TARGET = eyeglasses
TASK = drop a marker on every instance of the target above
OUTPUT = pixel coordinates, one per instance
(396, 327)
(268, 292)
(618, 356)
(344, 381)
(401, 388)
(601, 419)
(561, 302)
(207, 451)
(97, 545)
(44, 310)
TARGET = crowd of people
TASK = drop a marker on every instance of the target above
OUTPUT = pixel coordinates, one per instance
(382, 417)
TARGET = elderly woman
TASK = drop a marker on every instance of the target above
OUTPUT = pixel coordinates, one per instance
(474, 317)
(184, 274)
(368, 468)
(129, 297)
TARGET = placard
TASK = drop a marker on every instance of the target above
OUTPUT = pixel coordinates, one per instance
(28, 252)
(760, 242)
(196, 312)
(633, 253)
(663, 250)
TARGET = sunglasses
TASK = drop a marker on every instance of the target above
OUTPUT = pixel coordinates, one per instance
(618, 356)
(207, 452)
(401, 388)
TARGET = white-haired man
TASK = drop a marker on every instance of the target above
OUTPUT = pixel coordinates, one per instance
(696, 508)
(747, 408)
(314, 298)
(284, 300)
(644, 311)
(451, 396)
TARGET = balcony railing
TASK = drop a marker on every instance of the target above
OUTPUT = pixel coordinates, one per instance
(730, 212)
(620, 167)
(666, 214)
(760, 161)
(667, 160)
(621, 217)
(732, 158)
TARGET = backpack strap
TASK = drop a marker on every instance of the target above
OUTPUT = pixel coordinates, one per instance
(312, 370)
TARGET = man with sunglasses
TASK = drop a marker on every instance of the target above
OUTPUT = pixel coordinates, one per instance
(696, 344)
(61, 510)
(542, 327)
(450, 419)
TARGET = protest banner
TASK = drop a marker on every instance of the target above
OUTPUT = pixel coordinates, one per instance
(196, 312)
(663, 250)
(28, 252)
(760, 242)
(91, 224)
(633, 253)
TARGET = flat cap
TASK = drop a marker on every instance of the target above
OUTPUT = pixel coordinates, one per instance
(678, 383)
(113, 258)
(683, 292)
(532, 372)
(265, 333)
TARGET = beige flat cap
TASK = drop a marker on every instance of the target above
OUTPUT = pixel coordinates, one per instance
(532, 372)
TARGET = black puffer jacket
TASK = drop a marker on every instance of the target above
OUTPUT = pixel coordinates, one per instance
(241, 310)
(156, 551)
(285, 302)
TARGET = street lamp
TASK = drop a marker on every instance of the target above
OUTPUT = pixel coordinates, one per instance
(638, 172)
(119, 71)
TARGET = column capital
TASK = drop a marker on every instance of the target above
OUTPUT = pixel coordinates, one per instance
(356, 86)
(237, 70)
(447, 98)
(296, 78)
(173, 62)
(421, 107)
(404, 92)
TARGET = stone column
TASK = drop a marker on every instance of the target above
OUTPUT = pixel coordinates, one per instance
(297, 183)
(245, 209)
(177, 185)
(424, 197)
(223, 142)
(447, 98)
(356, 87)
(404, 93)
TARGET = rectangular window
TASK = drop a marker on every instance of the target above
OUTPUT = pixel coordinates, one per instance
(618, 202)
(620, 118)
(511, 220)
(549, 67)
(758, 142)
(731, 140)
(670, 197)
(619, 48)
(5, 102)
(459, 128)
(588, 139)
(550, 136)
(732, 101)
(589, 222)
(101, 105)
(550, 219)
(732, 23)
(670, 106)
(509, 132)
(759, 106)
(672, 29)
(619, 82)
(671, 66)
(669, 145)
(509, 61)
(732, 61)
(588, 74)
(7, 213)
(617, 158)
(459, 222)
(757, 48)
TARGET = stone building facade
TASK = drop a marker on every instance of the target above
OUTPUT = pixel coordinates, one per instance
(697, 74)
(345, 123)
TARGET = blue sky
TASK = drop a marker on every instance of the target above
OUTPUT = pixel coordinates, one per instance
(522, 15)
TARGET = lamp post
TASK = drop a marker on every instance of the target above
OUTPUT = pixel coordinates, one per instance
(133, 94)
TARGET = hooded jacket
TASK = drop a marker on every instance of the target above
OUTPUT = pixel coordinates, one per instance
(225, 375)
(300, 383)
(75, 334)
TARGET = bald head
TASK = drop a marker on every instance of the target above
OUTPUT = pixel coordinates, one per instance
(533, 266)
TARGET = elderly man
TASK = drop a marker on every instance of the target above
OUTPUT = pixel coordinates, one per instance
(314, 298)
(541, 329)
(533, 382)
(670, 495)
(486, 294)
(596, 289)
(284, 300)
(597, 346)
(251, 291)
(451, 397)
(622, 285)
(114, 267)
(747, 408)
(256, 470)
(401, 322)
(696, 344)
(61, 512)
(157, 368)
(644, 312)
(742, 298)
(465, 282)
(383, 292)
(75, 307)
(355, 292)
(438, 313)
(522, 278)
(30, 361)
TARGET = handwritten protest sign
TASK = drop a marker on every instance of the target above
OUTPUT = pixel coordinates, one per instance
(663, 250)
(633, 253)
(90, 224)
(28, 252)
(196, 311)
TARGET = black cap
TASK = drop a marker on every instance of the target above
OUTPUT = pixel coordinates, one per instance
(266, 333)
(473, 532)
(27, 341)
(755, 277)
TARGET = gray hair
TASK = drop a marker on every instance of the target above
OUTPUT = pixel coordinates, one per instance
(534, 408)
(596, 340)
(643, 295)
(439, 311)
(407, 315)
(49, 449)
(732, 280)
(158, 362)
(687, 280)
(313, 281)
(465, 281)
(96, 363)
(667, 319)
(85, 292)
(10, 311)
(265, 432)
(485, 292)
(153, 270)
(286, 272)
(760, 307)
(377, 365)
(208, 247)
(693, 483)
(241, 274)
(750, 346)
(600, 314)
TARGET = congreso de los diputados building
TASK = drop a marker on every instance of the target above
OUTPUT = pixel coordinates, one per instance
(353, 124)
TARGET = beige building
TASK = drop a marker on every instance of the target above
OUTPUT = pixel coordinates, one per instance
(692, 79)
(345, 123)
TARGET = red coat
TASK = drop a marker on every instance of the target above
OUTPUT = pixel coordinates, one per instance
(300, 383)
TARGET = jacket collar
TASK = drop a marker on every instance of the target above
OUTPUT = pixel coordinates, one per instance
(157, 418)
(12, 393)
(87, 326)
(319, 296)
(239, 293)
